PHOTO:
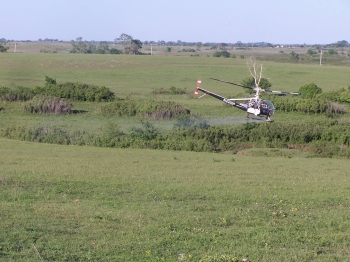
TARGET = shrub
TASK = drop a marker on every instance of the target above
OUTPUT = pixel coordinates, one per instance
(100, 51)
(17, 93)
(190, 121)
(147, 132)
(171, 91)
(68, 90)
(191, 50)
(311, 52)
(309, 90)
(47, 105)
(315, 106)
(145, 109)
(161, 110)
(323, 138)
(332, 52)
(109, 135)
(79, 92)
(225, 54)
(50, 81)
(115, 51)
(120, 108)
(342, 95)
(222, 53)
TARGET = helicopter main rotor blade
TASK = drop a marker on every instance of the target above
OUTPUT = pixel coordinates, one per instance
(281, 92)
(239, 99)
(230, 83)
(257, 88)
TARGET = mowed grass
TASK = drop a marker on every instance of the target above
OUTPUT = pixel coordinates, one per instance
(100, 204)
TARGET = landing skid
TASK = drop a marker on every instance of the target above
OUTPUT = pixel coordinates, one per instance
(259, 119)
(254, 119)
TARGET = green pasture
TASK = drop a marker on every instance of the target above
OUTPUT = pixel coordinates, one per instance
(137, 76)
(97, 204)
(101, 204)
(126, 74)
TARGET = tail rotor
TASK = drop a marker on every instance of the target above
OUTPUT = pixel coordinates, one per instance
(198, 86)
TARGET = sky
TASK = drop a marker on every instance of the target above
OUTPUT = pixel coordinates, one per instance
(221, 21)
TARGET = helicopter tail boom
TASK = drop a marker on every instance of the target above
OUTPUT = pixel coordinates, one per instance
(223, 99)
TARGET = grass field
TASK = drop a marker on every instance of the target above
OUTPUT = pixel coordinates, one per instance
(100, 204)
(139, 74)
(82, 203)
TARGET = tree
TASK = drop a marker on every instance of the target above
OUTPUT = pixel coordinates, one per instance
(103, 47)
(311, 52)
(199, 45)
(79, 47)
(135, 45)
(3, 47)
(125, 40)
(294, 56)
(342, 43)
(254, 72)
(223, 46)
(83, 47)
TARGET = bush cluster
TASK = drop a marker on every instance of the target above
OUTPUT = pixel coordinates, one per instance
(47, 105)
(171, 91)
(341, 95)
(67, 90)
(17, 93)
(191, 50)
(75, 91)
(313, 100)
(78, 92)
(222, 54)
(322, 138)
(309, 106)
(310, 90)
(149, 109)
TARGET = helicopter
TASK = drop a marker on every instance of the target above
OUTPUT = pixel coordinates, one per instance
(253, 105)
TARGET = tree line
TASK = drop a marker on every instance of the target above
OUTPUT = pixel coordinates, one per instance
(130, 46)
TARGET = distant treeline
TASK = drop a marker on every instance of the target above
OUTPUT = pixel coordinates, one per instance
(323, 138)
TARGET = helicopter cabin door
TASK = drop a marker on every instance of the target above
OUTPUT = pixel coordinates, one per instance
(255, 111)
